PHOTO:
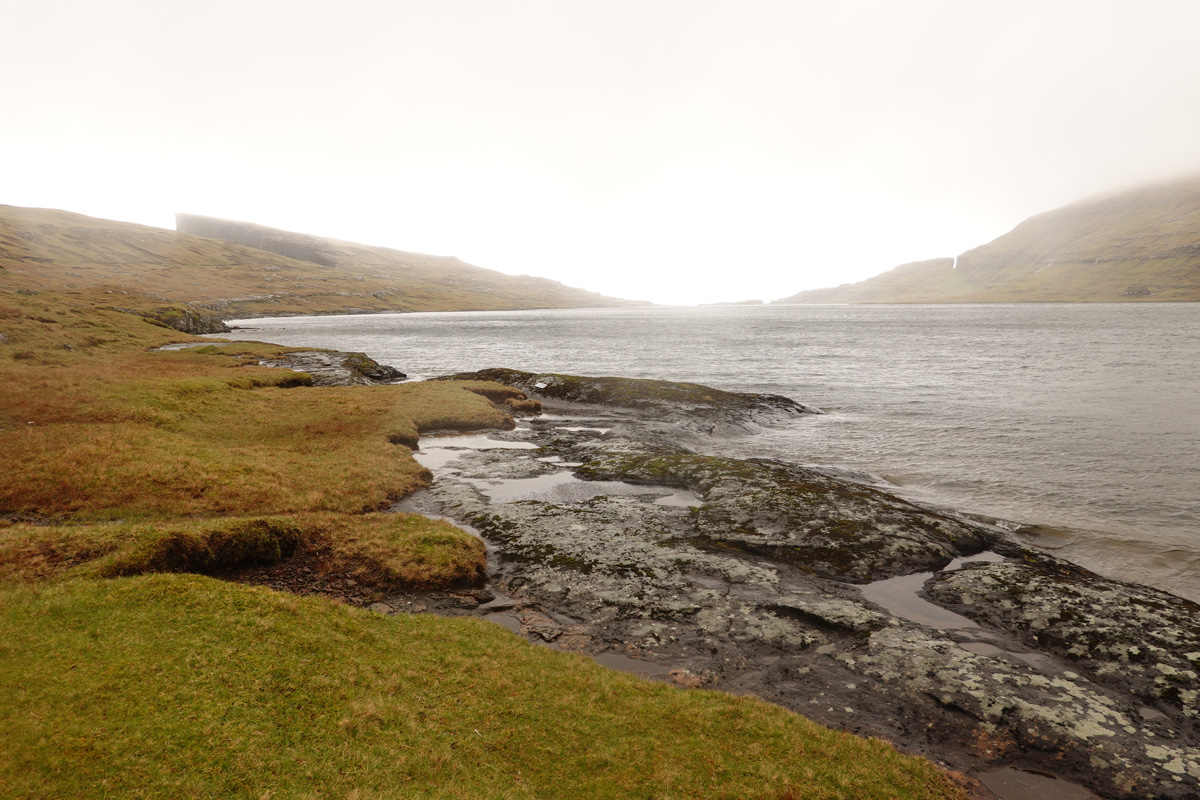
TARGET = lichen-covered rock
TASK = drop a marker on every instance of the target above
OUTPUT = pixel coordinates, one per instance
(1008, 711)
(796, 515)
(1138, 639)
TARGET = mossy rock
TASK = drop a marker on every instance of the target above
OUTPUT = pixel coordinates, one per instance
(634, 393)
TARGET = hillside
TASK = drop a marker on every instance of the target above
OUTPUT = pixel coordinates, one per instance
(1138, 245)
(48, 249)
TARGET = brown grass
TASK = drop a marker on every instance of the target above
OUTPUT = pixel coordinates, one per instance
(111, 431)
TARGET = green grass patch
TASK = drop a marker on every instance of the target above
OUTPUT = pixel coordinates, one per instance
(185, 687)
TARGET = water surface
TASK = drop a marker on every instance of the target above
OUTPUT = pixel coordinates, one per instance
(1081, 418)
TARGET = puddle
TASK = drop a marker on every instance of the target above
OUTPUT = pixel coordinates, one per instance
(643, 669)
(680, 498)
(511, 490)
(504, 620)
(1014, 784)
(563, 487)
(899, 596)
(982, 648)
(472, 441)
(436, 458)
(438, 450)
(186, 345)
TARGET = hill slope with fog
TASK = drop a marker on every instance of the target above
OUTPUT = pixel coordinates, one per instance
(47, 249)
(403, 281)
(1137, 245)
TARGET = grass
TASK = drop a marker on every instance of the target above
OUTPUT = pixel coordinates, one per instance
(182, 686)
(399, 552)
(112, 432)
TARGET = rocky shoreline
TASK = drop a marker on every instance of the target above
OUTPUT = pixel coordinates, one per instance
(618, 529)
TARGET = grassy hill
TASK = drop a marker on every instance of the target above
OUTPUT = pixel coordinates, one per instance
(1138, 245)
(137, 479)
(58, 250)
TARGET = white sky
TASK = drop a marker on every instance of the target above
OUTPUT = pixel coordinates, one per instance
(671, 150)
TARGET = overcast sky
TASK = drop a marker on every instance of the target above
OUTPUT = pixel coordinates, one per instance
(678, 151)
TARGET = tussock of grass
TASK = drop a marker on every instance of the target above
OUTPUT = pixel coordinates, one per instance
(182, 687)
(399, 552)
(232, 544)
(508, 398)
(389, 552)
(498, 393)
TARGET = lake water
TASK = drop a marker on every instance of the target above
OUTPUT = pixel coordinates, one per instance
(1084, 419)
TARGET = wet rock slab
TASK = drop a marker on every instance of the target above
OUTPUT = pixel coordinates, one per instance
(761, 583)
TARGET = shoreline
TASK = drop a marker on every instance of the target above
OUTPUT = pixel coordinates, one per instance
(1114, 490)
(745, 613)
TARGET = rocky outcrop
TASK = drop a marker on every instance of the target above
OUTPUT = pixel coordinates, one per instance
(188, 319)
(690, 406)
(333, 368)
(791, 514)
(766, 577)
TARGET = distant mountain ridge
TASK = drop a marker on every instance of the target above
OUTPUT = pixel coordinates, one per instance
(1138, 245)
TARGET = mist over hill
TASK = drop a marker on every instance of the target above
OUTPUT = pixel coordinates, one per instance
(1137, 245)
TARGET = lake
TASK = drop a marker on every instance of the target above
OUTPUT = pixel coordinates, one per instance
(1081, 419)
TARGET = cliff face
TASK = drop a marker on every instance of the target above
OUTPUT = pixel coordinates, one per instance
(1142, 244)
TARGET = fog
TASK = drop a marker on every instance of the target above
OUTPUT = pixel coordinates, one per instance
(673, 151)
